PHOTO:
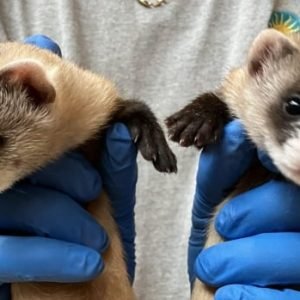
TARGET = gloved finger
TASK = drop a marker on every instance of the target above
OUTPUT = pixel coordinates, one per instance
(43, 42)
(220, 166)
(271, 207)
(118, 168)
(267, 161)
(44, 212)
(5, 292)
(22, 257)
(261, 260)
(246, 292)
(73, 175)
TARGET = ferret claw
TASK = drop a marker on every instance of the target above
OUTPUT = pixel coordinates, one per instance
(181, 142)
(136, 139)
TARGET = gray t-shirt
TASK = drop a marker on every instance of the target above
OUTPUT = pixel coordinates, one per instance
(166, 56)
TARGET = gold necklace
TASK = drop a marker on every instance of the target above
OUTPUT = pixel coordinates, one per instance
(152, 4)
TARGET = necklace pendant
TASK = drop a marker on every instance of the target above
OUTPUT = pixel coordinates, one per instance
(152, 4)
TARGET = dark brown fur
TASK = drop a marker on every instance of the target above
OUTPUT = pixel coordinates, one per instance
(200, 122)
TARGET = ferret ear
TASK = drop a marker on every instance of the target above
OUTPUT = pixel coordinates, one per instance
(33, 78)
(270, 46)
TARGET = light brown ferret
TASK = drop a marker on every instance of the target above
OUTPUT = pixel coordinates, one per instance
(50, 106)
(264, 94)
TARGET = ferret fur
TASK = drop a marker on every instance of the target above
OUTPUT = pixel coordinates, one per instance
(50, 106)
(256, 94)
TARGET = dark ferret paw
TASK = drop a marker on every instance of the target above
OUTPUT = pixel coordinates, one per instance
(148, 135)
(199, 123)
(153, 146)
(190, 129)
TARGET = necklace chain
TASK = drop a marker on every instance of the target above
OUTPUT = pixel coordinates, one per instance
(152, 4)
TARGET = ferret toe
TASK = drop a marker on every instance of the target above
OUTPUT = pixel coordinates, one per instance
(199, 122)
(166, 161)
(173, 119)
(148, 149)
(135, 133)
(175, 130)
(207, 134)
(154, 147)
(187, 136)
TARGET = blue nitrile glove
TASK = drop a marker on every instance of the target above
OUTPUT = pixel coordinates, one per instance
(118, 169)
(44, 42)
(220, 167)
(119, 173)
(263, 226)
(58, 237)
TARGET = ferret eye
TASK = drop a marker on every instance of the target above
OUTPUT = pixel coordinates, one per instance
(292, 105)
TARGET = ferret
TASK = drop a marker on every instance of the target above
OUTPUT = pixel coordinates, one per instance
(50, 106)
(264, 93)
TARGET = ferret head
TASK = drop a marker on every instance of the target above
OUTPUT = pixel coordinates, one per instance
(268, 98)
(25, 103)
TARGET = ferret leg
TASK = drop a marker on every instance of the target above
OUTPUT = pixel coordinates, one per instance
(112, 284)
(200, 122)
(147, 134)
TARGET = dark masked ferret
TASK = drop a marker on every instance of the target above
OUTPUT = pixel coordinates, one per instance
(264, 94)
(50, 106)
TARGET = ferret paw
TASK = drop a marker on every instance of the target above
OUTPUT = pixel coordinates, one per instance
(188, 128)
(148, 135)
(153, 146)
(199, 123)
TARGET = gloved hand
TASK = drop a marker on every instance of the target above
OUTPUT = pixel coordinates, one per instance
(220, 167)
(47, 235)
(118, 170)
(261, 227)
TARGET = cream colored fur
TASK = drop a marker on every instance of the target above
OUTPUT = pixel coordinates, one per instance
(84, 103)
(249, 98)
